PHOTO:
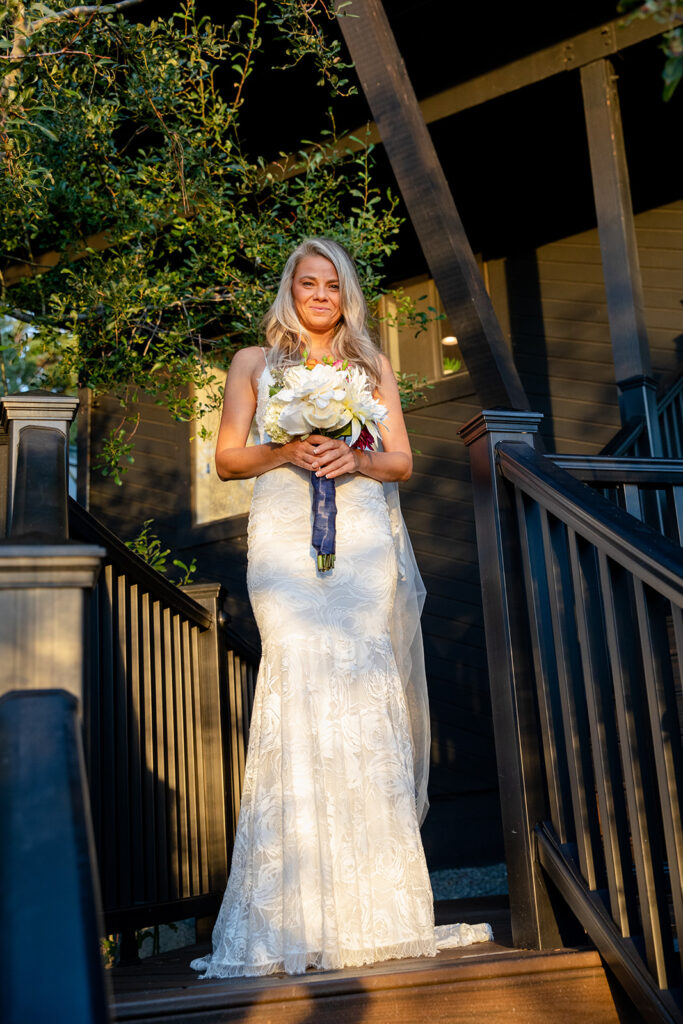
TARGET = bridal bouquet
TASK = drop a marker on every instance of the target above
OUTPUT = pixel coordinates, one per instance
(329, 398)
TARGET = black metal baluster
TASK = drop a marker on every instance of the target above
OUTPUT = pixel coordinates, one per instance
(197, 739)
(123, 835)
(170, 749)
(108, 853)
(181, 767)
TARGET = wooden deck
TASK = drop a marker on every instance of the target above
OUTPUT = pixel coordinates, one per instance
(490, 981)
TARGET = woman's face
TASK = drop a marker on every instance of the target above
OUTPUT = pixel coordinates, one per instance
(315, 291)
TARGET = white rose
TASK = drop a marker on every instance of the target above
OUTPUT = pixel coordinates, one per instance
(291, 418)
(326, 414)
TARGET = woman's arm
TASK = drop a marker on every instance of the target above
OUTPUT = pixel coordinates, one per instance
(333, 457)
(234, 461)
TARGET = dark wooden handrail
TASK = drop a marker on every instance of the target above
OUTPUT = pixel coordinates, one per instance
(610, 470)
(625, 438)
(84, 526)
(654, 559)
(583, 611)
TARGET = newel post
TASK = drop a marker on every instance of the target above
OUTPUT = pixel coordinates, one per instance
(50, 965)
(515, 721)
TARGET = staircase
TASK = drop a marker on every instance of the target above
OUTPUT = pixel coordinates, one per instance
(490, 982)
(148, 689)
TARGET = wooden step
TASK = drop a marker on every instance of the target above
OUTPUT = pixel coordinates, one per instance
(490, 982)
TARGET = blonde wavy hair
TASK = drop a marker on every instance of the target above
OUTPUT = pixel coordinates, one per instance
(284, 332)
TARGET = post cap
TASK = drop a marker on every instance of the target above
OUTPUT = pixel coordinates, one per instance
(38, 406)
(500, 421)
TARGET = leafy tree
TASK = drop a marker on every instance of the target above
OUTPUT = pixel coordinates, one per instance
(141, 236)
(669, 13)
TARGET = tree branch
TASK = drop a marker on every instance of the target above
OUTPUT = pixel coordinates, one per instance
(75, 12)
(25, 29)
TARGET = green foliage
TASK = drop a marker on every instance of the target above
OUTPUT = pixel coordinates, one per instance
(109, 949)
(406, 313)
(451, 364)
(115, 450)
(121, 155)
(23, 358)
(668, 12)
(302, 35)
(147, 546)
(410, 388)
(188, 571)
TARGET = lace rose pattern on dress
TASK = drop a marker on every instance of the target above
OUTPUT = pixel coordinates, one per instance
(328, 868)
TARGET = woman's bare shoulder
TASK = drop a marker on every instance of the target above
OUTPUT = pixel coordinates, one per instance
(247, 359)
(385, 364)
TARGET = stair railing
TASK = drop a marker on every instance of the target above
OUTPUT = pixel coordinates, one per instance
(583, 611)
(633, 438)
(109, 667)
(50, 915)
(167, 705)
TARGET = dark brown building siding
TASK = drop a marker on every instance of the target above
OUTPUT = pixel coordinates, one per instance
(557, 313)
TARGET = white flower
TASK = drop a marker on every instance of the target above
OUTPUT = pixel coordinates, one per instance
(359, 402)
(314, 399)
(324, 398)
(270, 422)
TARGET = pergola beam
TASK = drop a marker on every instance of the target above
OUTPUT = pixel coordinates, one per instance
(430, 205)
(619, 249)
(570, 54)
(567, 55)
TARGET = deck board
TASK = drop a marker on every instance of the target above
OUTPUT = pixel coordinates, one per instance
(411, 989)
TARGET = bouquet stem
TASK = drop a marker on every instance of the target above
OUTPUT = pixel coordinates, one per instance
(324, 521)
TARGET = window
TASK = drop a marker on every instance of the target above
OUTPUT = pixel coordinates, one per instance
(432, 353)
(213, 498)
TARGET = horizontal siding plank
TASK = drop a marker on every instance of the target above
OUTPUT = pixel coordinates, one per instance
(444, 526)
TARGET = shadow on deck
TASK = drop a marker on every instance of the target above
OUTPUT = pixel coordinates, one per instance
(490, 981)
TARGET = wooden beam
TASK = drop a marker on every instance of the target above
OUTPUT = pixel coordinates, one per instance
(618, 247)
(567, 55)
(430, 205)
(48, 260)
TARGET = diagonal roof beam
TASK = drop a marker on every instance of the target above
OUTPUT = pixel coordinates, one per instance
(430, 205)
(567, 55)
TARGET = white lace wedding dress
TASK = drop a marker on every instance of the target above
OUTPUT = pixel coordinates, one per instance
(328, 868)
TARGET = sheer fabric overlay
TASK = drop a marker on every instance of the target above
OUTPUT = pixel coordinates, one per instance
(328, 868)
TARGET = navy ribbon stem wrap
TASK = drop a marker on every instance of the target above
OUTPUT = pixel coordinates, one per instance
(324, 521)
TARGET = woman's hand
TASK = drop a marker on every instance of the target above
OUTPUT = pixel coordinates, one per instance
(324, 456)
(333, 457)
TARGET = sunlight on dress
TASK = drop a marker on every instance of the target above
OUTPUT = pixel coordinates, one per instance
(328, 869)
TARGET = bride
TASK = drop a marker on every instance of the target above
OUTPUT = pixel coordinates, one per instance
(328, 868)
